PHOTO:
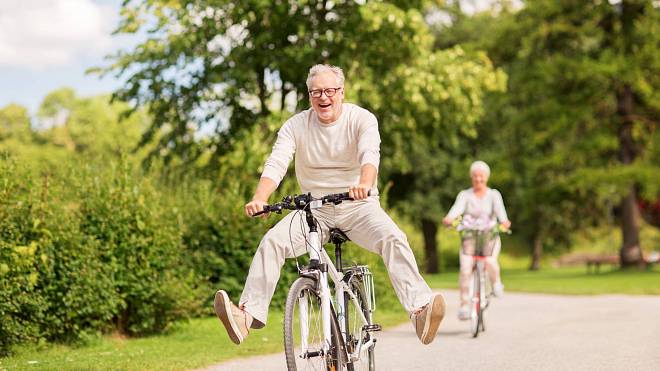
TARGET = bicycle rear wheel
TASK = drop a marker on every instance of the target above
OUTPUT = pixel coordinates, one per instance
(303, 330)
(475, 305)
(354, 327)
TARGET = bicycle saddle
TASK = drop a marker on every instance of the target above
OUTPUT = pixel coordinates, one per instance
(337, 236)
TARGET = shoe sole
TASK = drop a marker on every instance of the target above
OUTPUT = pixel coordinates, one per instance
(222, 306)
(433, 318)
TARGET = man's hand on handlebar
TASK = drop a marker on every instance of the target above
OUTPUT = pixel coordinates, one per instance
(359, 192)
(254, 207)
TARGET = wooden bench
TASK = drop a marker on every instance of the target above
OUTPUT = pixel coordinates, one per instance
(594, 262)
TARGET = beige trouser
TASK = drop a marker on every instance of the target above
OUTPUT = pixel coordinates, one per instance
(365, 223)
(467, 262)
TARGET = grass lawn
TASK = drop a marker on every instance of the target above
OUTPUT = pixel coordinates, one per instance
(202, 342)
(198, 343)
(568, 281)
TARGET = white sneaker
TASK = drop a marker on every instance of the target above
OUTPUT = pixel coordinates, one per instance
(498, 289)
(464, 313)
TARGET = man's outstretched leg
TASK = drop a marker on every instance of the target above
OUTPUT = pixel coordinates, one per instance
(252, 311)
(370, 227)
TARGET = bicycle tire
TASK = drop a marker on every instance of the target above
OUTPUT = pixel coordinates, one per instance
(475, 310)
(354, 326)
(306, 289)
(483, 299)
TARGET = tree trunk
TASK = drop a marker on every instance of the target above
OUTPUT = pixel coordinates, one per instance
(430, 231)
(537, 252)
(263, 91)
(283, 97)
(630, 253)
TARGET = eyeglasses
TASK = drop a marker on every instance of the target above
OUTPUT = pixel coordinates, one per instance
(329, 92)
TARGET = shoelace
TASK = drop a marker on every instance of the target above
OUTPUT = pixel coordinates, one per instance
(418, 311)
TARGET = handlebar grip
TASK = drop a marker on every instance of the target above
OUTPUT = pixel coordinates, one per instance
(345, 195)
(264, 211)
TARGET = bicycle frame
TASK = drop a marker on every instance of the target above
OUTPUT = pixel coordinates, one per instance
(480, 262)
(322, 267)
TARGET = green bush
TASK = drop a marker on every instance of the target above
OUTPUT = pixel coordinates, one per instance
(139, 240)
(21, 308)
(87, 252)
(77, 286)
(220, 239)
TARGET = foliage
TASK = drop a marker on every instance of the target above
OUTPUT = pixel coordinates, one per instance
(15, 123)
(221, 65)
(91, 126)
(139, 241)
(95, 251)
(428, 103)
(558, 147)
(20, 309)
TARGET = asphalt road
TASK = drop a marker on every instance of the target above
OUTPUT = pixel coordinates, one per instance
(523, 332)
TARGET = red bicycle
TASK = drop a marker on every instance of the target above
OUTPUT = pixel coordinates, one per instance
(479, 244)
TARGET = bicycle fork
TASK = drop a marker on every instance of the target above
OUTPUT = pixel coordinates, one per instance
(482, 299)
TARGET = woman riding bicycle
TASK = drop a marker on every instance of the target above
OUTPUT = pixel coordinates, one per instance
(479, 203)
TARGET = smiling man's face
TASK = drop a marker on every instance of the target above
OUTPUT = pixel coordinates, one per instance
(327, 108)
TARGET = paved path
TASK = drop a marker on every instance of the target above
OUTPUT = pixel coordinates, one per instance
(524, 332)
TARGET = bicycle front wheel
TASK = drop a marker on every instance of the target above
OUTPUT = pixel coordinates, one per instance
(475, 305)
(354, 324)
(303, 330)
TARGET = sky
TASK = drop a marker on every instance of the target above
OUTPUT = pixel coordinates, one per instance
(48, 44)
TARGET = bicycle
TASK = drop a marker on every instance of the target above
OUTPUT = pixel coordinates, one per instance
(481, 289)
(319, 333)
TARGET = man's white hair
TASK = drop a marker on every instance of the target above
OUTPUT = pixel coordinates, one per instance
(321, 68)
(480, 165)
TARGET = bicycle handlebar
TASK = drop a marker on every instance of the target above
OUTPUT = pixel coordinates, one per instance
(302, 201)
(495, 230)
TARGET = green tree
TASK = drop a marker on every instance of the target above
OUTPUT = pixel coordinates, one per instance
(226, 64)
(15, 124)
(580, 112)
(429, 104)
(90, 126)
(221, 65)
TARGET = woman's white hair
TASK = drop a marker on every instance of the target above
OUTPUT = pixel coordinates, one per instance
(321, 68)
(480, 165)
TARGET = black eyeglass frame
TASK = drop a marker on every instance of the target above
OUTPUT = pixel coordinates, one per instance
(329, 92)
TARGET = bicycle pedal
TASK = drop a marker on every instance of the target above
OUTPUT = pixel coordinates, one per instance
(372, 328)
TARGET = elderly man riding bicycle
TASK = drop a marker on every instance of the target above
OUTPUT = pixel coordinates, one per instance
(337, 148)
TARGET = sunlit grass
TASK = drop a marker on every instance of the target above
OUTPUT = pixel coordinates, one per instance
(194, 344)
(568, 281)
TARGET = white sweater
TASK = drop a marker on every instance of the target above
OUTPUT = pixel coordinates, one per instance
(329, 157)
(490, 206)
